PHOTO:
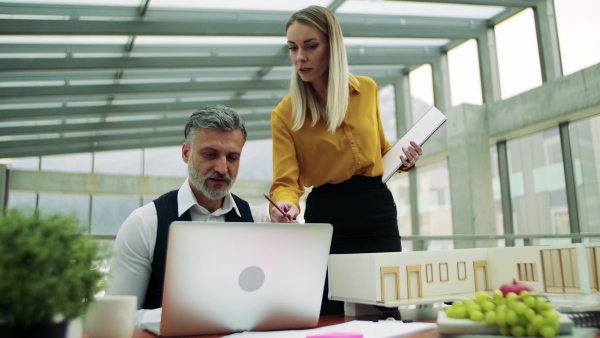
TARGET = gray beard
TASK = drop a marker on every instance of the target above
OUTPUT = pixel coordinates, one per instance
(199, 182)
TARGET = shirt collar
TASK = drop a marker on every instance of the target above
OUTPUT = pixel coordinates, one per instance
(186, 200)
(354, 87)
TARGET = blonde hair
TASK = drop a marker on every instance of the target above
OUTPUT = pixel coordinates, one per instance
(339, 77)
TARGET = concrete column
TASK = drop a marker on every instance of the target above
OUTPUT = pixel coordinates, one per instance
(469, 167)
(441, 83)
(488, 67)
(402, 104)
(547, 38)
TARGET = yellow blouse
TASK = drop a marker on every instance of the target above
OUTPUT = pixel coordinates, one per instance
(312, 156)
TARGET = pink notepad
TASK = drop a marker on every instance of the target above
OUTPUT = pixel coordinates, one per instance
(336, 335)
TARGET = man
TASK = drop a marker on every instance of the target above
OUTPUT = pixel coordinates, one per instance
(214, 138)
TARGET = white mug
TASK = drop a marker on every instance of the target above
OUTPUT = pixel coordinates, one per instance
(111, 317)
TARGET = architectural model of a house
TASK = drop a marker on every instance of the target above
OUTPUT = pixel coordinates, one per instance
(406, 278)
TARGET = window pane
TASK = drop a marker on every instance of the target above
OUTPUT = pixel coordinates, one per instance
(465, 82)
(148, 199)
(21, 200)
(537, 186)
(518, 56)
(80, 163)
(578, 26)
(585, 144)
(76, 204)
(421, 91)
(435, 209)
(128, 162)
(497, 193)
(164, 162)
(256, 162)
(109, 212)
(25, 163)
(387, 107)
(399, 186)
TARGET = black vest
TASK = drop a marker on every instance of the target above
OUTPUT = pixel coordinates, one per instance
(166, 212)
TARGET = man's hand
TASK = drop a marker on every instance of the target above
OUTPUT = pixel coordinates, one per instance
(291, 212)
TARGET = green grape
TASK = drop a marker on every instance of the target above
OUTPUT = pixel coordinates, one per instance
(530, 301)
(547, 332)
(531, 330)
(511, 296)
(457, 304)
(505, 330)
(461, 312)
(481, 296)
(497, 294)
(501, 307)
(476, 315)
(522, 320)
(468, 302)
(511, 317)
(488, 305)
(450, 312)
(474, 307)
(490, 317)
(519, 307)
(540, 303)
(501, 317)
(546, 307)
(551, 314)
(537, 321)
(517, 331)
(529, 313)
(523, 294)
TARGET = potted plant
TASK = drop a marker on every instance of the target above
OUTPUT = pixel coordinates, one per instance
(49, 273)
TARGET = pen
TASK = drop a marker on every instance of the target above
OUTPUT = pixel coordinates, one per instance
(277, 207)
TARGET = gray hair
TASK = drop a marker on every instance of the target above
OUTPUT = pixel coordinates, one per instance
(217, 117)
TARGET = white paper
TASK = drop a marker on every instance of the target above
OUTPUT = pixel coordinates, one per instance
(419, 133)
(381, 329)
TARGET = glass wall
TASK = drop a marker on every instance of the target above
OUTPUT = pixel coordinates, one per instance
(125, 162)
(79, 163)
(399, 186)
(109, 212)
(585, 145)
(164, 161)
(518, 57)
(465, 81)
(435, 208)
(499, 216)
(578, 26)
(537, 186)
(421, 91)
(73, 204)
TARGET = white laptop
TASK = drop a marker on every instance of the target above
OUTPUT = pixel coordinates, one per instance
(229, 277)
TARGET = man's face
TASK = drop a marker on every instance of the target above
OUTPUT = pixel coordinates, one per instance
(213, 161)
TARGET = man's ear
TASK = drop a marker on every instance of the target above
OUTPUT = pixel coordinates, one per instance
(185, 152)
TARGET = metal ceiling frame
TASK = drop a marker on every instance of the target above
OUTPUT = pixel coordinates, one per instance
(266, 68)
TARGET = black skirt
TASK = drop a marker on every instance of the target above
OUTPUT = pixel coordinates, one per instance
(364, 219)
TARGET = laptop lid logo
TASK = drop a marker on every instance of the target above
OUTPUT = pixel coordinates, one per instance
(251, 278)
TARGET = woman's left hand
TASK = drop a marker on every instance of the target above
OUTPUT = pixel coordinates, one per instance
(411, 155)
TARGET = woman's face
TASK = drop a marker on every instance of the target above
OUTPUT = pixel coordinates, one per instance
(309, 51)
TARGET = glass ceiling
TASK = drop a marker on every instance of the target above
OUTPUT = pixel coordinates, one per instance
(109, 63)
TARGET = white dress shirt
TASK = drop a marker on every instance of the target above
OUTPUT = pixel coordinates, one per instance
(131, 267)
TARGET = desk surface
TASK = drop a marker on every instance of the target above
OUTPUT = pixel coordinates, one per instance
(323, 321)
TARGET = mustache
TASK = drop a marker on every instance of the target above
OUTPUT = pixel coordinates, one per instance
(215, 174)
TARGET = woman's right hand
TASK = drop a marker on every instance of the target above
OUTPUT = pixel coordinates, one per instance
(291, 212)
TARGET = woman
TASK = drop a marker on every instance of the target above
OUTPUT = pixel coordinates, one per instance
(327, 133)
